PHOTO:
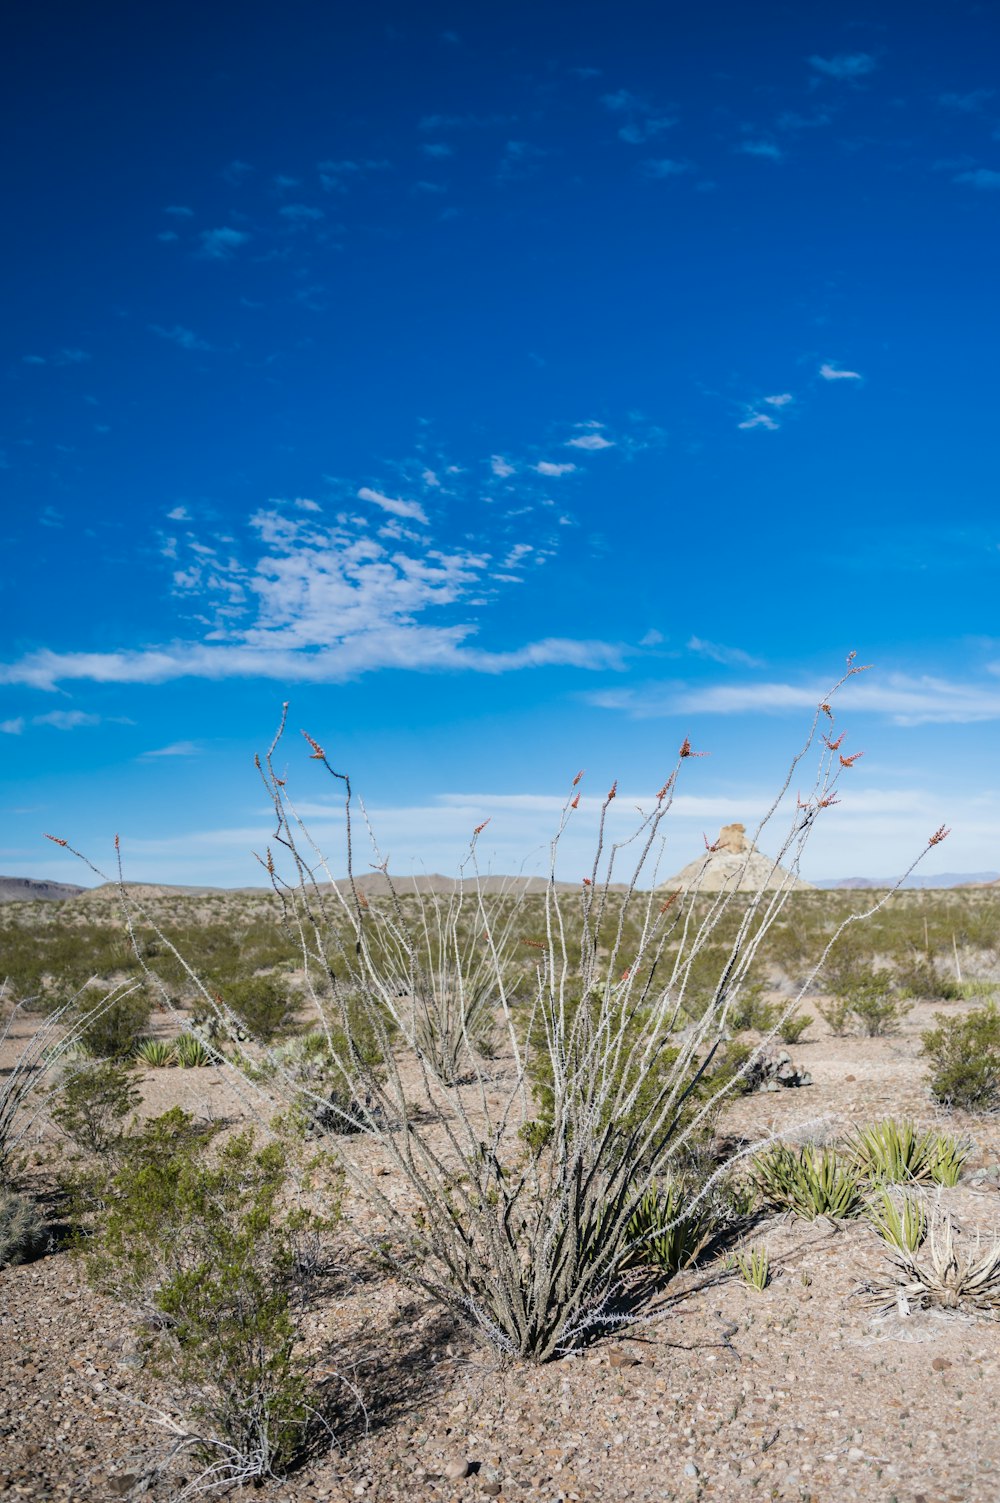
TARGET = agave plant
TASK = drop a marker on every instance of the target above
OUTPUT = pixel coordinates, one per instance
(158, 1054)
(754, 1267)
(663, 1234)
(950, 1276)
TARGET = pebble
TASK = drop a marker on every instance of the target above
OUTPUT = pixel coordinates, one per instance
(690, 1470)
(457, 1468)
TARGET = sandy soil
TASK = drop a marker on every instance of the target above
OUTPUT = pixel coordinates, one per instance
(796, 1392)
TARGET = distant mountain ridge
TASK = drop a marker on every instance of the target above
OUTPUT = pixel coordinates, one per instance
(30, 890)
(938, 879)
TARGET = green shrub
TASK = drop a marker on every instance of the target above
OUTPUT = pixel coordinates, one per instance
(919, 977)
(792, 1029)
(876, 1012)
(265, 1005)
(751, 1011)
(200, 1236)
(965, 1060)
(902, 1224)
(23, 1233)
(809, 1181)
(114, 1032)
(93, 1102)
(837, 1016)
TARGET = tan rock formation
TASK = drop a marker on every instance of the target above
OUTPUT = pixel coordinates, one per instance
(733, 864)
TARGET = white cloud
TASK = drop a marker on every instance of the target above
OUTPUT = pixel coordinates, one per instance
(175, 749)
(844, 66)
(34, 360)
(399, 508)
(301, 213)
(221, 244)
(181, 211)
(436, 149)
(984, 178)
(898, 697)
(834, 373)
(546, 467)
(730, 656)
(66, 720)
(967, 104)
(500, 466)
(303, 503)
(592, 442)
(179, 514)
(12, 727)
(781, 400)
(758, 420)
(766, 149)
(659, 168)
(185, 339)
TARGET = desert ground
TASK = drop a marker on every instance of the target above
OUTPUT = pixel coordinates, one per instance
(802, 1390)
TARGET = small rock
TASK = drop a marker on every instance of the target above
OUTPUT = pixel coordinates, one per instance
(690, 1470)
(457, 1468)
(619, 1357)
(854, 1454)
(940, 1364)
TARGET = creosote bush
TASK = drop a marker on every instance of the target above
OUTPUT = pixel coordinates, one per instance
(195, 1237)
(965, 1060)
(607, 1006)
(93, 1102)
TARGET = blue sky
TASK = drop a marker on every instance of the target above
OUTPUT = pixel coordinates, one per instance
(513, 391)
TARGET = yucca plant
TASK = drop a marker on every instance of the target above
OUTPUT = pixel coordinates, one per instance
(754, 1267)
(902, 1223)
(950, 1276)
(810, 1181)
(663, 1233)
(893, 1152)
(158, 1054)
(192, 1052)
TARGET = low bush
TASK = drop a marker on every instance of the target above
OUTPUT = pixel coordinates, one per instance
(965, 1060)
(194, 1236)
(791, 1030)
(157, 1054)
(92, 1102)
(874, 1010)
(837, 1015)
(265, 1005)
(115, 1031)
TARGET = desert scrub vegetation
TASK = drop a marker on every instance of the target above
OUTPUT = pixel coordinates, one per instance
(964, 1054)
(23, 1230)
(892, 1153)
(529, 1069)
(944, 1271)
(204, 1241)
(810, 1181)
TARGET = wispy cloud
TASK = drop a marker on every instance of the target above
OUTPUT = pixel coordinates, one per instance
(175, 749)
(186, 339)
(436, 149)
(500, 466)
(334, 176)
(897, 697)
(846, 67)
(546, 467)
(759, 420)
(12, 727)
(730, 657)
(836, 373)
(520, 160)
(766, 149)
(301, 214)
(660, 168)
(980, 177)
(66, 720)
(179, 211)
(222, 244)
(642, 122)
(412, 510)
(591, 442)
(781, 399)
(967, 104)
